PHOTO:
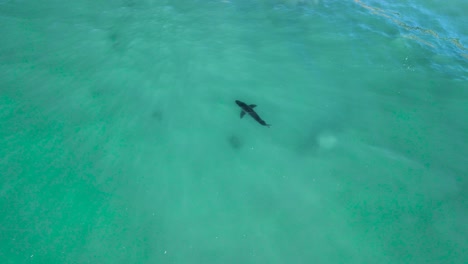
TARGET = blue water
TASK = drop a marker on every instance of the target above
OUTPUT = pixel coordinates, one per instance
(120, 141)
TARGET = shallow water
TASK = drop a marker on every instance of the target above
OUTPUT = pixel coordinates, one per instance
(120, 141)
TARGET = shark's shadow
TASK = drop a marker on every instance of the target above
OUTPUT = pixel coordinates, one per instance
(235, 142)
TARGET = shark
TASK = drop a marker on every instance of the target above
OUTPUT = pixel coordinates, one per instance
(249, 109)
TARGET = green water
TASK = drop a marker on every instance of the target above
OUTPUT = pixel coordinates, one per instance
(120, 141)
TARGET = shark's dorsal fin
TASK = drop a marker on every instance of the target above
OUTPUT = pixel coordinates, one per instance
(252, 105)
(242, 114)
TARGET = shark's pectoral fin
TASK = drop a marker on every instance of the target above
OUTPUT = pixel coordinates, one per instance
(242, 114)
(252, 105)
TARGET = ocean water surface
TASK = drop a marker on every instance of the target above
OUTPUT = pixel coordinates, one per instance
(120, 139)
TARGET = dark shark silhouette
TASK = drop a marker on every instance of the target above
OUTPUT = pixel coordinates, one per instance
(250, 110)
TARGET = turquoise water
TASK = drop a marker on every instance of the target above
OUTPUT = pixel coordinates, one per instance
(120, 141)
